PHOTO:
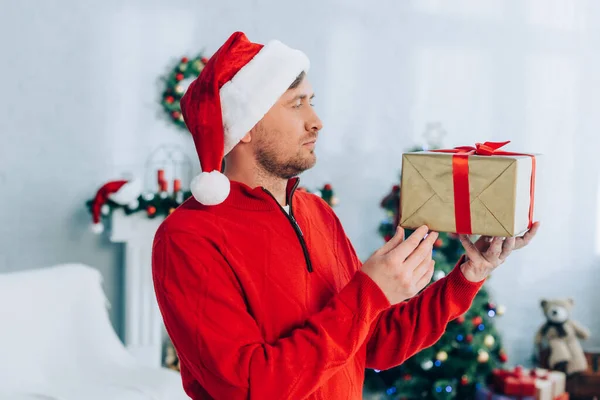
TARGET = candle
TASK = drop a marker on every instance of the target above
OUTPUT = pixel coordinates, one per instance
(176, 185)
(161, 176)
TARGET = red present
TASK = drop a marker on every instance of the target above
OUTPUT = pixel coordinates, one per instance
(514, 383)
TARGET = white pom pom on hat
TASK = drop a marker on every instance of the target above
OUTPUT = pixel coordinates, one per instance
(236, 88)
(210, 188)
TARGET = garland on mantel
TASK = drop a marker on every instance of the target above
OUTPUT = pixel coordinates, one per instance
(162, 203)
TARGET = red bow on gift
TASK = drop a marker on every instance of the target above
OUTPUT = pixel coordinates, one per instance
(514, 383)
(460, 175)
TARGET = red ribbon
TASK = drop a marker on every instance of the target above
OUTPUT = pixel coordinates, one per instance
(460, 175)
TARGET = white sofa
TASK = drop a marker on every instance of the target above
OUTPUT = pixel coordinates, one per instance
(57, 342)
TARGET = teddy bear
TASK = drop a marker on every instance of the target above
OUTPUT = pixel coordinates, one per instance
(562, 336)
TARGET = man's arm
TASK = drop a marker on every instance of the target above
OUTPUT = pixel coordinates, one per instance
(410, 326)
(219, 342)
(418, 323)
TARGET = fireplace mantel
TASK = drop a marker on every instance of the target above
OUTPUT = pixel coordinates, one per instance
(143, 325)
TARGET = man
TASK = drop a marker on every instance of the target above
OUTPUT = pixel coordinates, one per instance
(260, 289)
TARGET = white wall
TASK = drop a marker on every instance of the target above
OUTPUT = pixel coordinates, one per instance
(79, 107)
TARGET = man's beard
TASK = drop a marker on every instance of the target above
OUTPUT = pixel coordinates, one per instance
(271, 162)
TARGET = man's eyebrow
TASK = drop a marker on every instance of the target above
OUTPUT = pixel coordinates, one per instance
(302, 97)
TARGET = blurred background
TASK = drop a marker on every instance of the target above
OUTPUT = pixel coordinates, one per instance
(83, 104)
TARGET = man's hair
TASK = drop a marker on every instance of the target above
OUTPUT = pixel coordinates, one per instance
(298, 81)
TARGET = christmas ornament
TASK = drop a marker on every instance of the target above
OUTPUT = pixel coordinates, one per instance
(148, 196)
(442, 356)
(483, 356)
(500, 310)
(174, 86)
(489, 340)
(439, 274)
(461, 319)
(477, 320)
(469, 338)
(151, 210)
(503, 357)
(464, 380)
(438, 243)
(427, 365)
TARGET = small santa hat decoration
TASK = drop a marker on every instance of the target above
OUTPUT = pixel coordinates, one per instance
(236, 88)
(122, 192)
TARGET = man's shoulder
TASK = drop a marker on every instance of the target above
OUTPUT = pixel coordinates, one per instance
(190, 219)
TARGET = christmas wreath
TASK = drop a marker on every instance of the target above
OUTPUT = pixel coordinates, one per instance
(176, 83)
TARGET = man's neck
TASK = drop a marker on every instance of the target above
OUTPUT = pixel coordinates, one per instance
(256, 177)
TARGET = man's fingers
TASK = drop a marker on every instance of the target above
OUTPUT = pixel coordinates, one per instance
(507, 247)
(495, 248)
(428, 273)
(422, 268)
(422, 252)
(472, 251)
(404, 249)
(393, 242)
(526, 238)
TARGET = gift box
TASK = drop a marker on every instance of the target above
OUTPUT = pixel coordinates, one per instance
(471, 190)
(514, 382)
(593, 359)
(486, 393)
(550, 385)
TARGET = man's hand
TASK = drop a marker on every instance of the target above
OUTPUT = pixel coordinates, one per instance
(487, 253)
(401, 268)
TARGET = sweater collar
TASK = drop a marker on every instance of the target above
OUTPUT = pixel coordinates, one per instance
(258, 198)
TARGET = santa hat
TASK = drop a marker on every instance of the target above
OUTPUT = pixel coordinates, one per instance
(236, 88)
(122, 192)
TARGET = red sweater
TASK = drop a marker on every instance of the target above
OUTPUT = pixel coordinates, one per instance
(262, 304)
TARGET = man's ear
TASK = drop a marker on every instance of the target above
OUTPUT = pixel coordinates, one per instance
(247, 138)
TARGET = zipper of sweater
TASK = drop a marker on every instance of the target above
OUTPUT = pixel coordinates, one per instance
(297, 229)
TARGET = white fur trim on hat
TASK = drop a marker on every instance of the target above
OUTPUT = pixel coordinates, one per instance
(128, 193)
(210, 188)
(256, 87)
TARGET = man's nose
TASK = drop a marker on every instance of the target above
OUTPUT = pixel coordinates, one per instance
(314, 123)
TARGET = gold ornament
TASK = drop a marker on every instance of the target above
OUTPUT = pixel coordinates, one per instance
(179, 89)
(442, 356)
(483, 356)
(171, 210)
(500, 310)
(489, 340)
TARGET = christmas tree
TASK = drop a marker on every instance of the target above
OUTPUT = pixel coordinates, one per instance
(467, 352)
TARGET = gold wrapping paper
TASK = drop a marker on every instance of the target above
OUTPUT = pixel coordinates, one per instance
(499, 192)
